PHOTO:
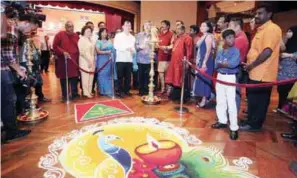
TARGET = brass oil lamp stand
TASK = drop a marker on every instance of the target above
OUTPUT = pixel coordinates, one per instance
(34, 114)
(150, 99)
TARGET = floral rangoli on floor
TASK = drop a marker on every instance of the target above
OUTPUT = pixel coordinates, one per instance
(137, 148)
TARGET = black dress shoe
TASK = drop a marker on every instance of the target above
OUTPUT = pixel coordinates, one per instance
(292, 136)
(219, 126)
(248, 128)
(15, 135)
(242, 122)
(233, 135)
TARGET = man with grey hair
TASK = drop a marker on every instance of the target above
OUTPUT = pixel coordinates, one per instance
(143, 57)
(65, 48)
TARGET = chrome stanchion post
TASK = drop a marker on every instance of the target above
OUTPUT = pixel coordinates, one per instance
(180, 108)
(67, 82)
(112, 75)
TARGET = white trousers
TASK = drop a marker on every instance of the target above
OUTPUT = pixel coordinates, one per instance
(86, 78)
(87, 82)
(226, 101)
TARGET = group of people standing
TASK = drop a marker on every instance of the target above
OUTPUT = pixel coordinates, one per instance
(260, 60)
(231, 56)
(88, 51)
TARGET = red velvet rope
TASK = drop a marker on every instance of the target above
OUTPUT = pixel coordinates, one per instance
(268, 84)
(89, 72)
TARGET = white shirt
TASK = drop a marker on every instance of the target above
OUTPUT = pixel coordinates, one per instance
(122, 43)
(43, 46)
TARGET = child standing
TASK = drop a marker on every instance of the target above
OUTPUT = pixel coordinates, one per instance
(226, 64)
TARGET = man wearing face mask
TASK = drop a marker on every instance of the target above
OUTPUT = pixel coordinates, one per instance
(9, 42)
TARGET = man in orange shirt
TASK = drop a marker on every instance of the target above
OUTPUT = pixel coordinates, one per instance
(262, 65)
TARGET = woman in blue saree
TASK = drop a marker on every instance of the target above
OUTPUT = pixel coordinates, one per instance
(105, 51)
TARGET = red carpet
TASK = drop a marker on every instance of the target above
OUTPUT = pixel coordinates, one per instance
(100, 110)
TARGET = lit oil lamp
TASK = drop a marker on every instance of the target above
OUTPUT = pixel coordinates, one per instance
(164, 154)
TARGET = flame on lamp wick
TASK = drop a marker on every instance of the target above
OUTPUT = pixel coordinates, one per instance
(152, 142)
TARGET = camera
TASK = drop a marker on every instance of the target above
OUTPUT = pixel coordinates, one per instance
(18, 9)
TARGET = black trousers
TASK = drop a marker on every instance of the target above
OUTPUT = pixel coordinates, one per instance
(283, 91)
(258, 102)
(73, 86)
(242, 77)
(8, 101)
(144, 71)
(175, 94)
(124, 70)
(135, 79)
(45, 58)
(38, 91)
(21, 93)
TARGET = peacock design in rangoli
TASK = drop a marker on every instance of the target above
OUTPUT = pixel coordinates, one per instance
(120, 155)
(136, 149)
(165, 159)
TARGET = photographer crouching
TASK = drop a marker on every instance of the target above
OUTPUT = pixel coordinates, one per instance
(24, 23)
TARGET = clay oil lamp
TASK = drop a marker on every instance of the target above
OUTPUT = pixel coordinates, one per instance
(164, 154)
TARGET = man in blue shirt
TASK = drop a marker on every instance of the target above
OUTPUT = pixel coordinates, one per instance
(227, 63)
(143, 57)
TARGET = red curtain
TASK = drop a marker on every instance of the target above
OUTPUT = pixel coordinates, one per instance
(113, 22)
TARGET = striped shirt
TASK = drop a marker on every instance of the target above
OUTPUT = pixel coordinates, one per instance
(9, 45)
